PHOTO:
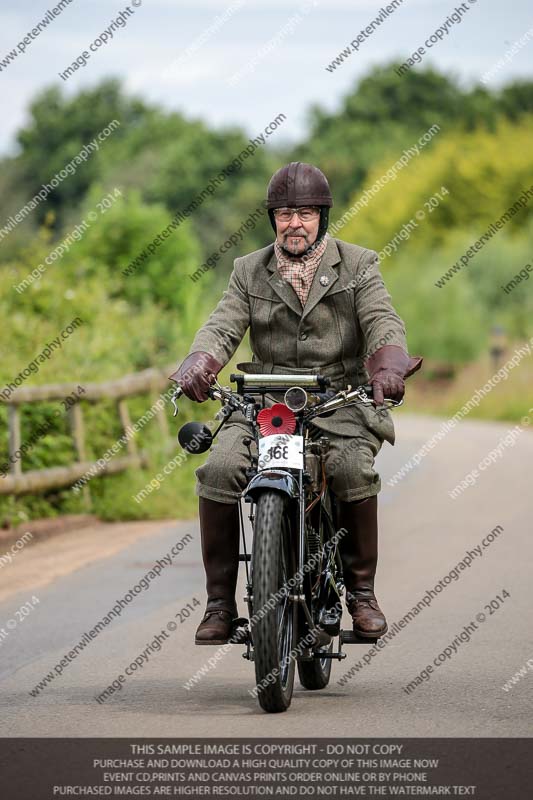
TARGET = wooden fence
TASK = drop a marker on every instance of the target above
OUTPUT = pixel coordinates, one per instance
(149, 381)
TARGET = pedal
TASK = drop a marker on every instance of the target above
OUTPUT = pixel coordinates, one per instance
(241, 632)
(245, 556)
(339, 656)
(349, 637)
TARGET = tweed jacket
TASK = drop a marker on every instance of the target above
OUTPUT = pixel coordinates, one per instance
(347, 317)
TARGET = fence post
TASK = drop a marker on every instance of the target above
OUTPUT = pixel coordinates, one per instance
(14, 439)
(75, 418)
(162, 420)
(124, 414)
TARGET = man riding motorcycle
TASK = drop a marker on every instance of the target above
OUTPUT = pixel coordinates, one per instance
(314, 304)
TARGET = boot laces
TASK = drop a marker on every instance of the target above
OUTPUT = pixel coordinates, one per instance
(220, 611)
(369, 601)
(359, 599)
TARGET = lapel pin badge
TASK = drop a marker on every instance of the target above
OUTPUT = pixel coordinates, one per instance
(324, 280)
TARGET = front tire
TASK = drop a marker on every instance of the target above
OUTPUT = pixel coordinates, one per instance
(274, 623)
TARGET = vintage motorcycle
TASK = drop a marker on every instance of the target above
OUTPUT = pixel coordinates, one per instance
(294, 582)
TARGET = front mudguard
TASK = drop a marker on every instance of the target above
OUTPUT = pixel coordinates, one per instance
(278, 479)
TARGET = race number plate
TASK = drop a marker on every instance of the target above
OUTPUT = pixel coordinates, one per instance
(281, 450)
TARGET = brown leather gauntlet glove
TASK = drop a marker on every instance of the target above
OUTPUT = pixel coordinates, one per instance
(196, 374)
(387, 368)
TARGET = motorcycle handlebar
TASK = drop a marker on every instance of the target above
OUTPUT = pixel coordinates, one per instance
(367, 388)
(326, 406)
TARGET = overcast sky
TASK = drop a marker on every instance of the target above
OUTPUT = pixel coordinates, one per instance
(183, 55)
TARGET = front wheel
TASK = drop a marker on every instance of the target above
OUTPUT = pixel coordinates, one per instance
(273, 625)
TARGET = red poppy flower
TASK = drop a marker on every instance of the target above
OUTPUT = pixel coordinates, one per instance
(276, 419)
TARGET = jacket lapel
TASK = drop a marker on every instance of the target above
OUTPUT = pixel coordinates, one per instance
(327, 273)
(317, 291)
(282, 288)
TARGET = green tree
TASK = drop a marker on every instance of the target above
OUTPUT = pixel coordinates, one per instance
(58, 128)
(386, 112)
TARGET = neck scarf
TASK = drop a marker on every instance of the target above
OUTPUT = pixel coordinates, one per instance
(300, 270)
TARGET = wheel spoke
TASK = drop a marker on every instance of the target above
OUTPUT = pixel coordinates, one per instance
(281, 620)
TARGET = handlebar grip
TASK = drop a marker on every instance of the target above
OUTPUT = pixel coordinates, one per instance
(368, 389)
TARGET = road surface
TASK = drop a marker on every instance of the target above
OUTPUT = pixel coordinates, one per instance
(58, 589)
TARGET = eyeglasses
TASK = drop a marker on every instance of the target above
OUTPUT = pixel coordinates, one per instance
(305, 214)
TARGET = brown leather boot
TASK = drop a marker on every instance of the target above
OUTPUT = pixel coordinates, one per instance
(359, 553)
(219, 527)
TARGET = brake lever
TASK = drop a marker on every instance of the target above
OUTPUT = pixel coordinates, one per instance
(178, 391)
(214, 393)
(352, 397)
(388, 402)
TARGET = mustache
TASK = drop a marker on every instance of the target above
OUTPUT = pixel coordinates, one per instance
(296, 233)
